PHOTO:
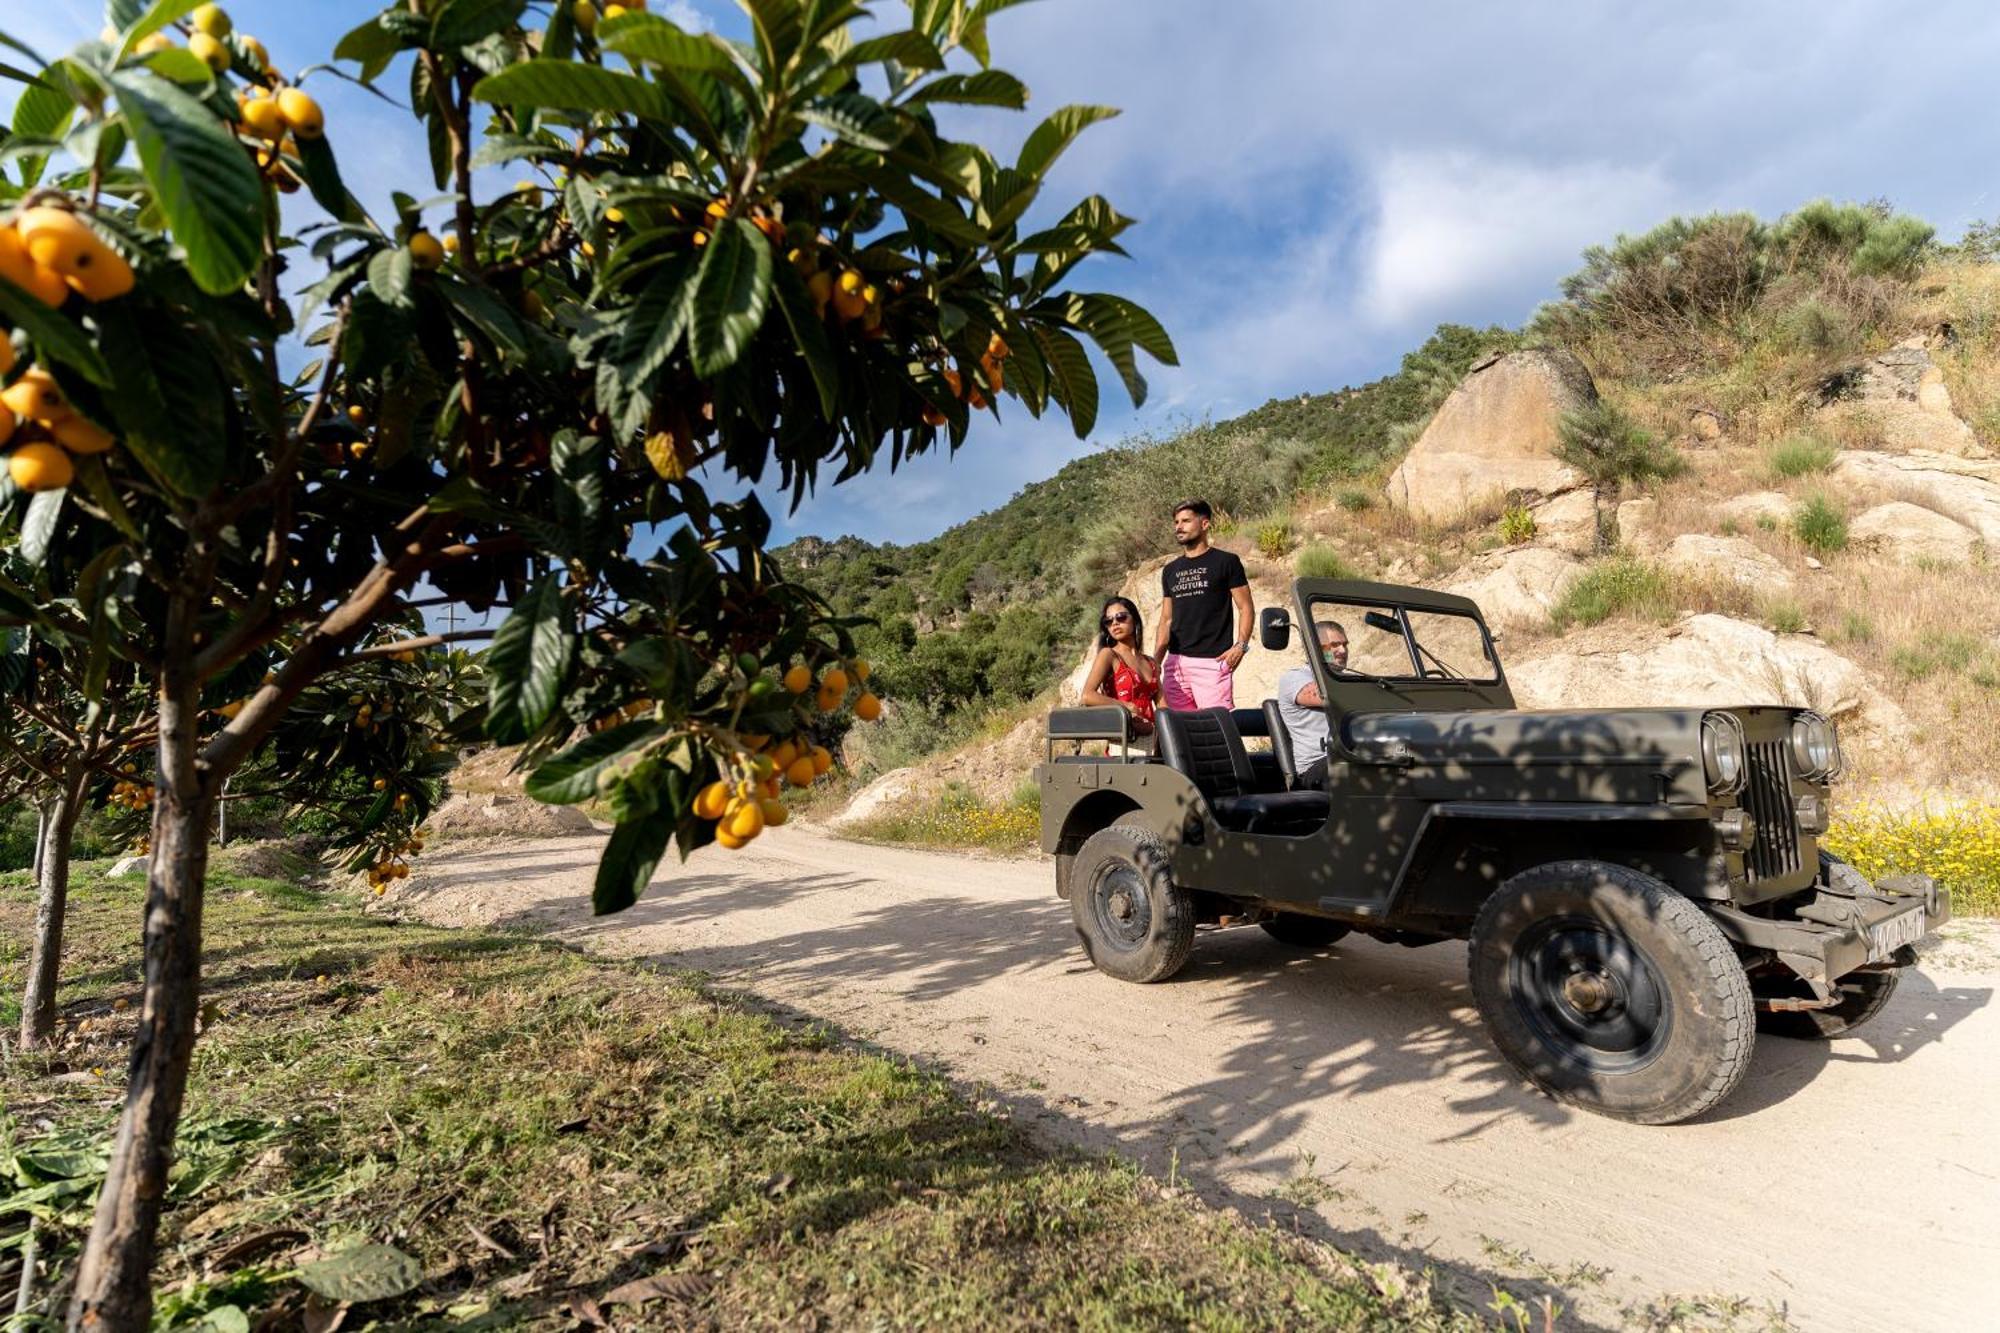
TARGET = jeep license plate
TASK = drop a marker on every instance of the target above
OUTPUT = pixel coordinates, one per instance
(1893, 934)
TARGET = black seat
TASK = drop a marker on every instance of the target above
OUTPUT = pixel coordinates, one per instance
(1281, 742)
(1204, 745)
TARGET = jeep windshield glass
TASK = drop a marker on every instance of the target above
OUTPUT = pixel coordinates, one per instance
(1405, 644)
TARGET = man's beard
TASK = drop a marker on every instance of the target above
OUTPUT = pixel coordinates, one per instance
(1188, 541)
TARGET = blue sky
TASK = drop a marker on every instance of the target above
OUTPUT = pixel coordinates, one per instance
(1319, 184)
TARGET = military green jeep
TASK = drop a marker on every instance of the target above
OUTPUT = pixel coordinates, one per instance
(1643, 888)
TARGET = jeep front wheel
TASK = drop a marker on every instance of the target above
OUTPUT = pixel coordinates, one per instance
(1612, 992)
(1862, 996)
(1135, 922)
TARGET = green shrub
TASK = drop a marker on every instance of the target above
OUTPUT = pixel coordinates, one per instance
(1517, 525)
(1854, 628)
(1611, 449)
(1798, 456)
(1820, 525)
(1323, 562)
(1954, 653)
(1618, 586)
(1354, 500)
(1274, 538)
(1785, 617)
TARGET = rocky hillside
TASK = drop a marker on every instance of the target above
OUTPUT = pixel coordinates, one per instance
(1787, 490)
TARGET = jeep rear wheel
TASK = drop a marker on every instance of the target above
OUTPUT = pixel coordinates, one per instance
(1136, 924)
(1303, 932)
(1612, 992)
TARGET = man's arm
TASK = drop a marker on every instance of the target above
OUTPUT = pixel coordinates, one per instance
(1162, 628)
(1307, 695)
(1246, 620)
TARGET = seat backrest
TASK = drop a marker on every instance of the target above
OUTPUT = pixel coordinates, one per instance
(1203, 743)
(1281, 742)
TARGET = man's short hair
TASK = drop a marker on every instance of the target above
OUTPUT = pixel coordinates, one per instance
(1322, 627)
(1199, 508)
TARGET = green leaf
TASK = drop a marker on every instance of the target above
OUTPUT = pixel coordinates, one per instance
(42, 111)
(485, 312)
(809, 332)
(370, 45)
(630, 857)
(568, 86)
(571, 777)
(461, 23)
(1057, 133)
(156, 16)
(651, 328)
(988, 87)
(202, 180)
(919, 205)
(38, 525)
(54, 337)
(912, 50)
(856, 119)
(362, 1273)
(732, 289)
(650, 38)
(528, 663)
(323, 179)
(579, 463)
(778, 26)
(1071, 379)
(169, 404)
(183, 67)
(389, 272)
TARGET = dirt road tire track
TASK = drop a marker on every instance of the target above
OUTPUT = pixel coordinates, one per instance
(1854, 1184)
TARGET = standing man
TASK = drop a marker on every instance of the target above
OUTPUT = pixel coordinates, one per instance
(1195, 646)
(1304, 710)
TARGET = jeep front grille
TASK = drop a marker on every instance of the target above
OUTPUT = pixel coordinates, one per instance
(1768, 796)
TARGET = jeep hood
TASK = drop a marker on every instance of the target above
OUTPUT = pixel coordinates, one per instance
(1665, 737)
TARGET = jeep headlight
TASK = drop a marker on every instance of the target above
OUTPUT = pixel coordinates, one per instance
(1722, 753)
(1815, 747)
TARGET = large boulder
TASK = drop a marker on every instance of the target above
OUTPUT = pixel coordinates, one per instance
(494, 815)
(1703, 659)
(1901, 395)
(1908, 533)
(1495, 434)
(1518, 587)
(885, 793)
(1759, 508)
(1964, 489)
(1727, 560)
(1568, 522)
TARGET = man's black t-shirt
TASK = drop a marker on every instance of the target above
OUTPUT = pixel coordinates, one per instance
(1203, 623)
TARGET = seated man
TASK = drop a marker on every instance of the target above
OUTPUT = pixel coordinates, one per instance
(1304, 710)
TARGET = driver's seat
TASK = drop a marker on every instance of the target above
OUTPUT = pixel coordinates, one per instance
(1204, 745)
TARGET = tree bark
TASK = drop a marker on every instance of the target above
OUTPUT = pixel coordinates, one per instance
(114, 1286)
(38, 1001)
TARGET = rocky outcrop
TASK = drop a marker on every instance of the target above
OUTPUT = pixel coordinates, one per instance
(1901, 396)
(1703, 659)
(892, 789)
(1639, 524)
(1496, 434)
(1568, 522)
(1517, 587)
(1908, 533)
(1727, 560)
(493, 815)
(1964, 489)
(1747, 510)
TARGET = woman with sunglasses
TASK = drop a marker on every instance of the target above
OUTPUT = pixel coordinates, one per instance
(1121, 675)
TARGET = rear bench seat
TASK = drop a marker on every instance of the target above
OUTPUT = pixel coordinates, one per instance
(1205, 745)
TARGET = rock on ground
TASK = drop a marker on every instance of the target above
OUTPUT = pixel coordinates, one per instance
(1701, 660)
(1516, 587)
(1568, 522)
(1908, 533)
(494, 815)
(1774, 505)
(885, 792)
(1902, 395)
(1729, 560)
(1495, 434)
(1964, 489)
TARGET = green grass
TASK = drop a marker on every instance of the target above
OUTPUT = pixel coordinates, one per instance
(1820, 524)
(1620, 586)
(535, 1127)
(955, 817)
(1799, 456)
(1953, 653)
(1517, 525)
(1323, 562)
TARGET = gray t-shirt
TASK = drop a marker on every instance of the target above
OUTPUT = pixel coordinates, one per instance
(1307, 725)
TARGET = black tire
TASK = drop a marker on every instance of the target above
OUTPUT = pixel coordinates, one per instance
(1136, 924)
(1863, 995)
(1611, 992)
(1303, 932)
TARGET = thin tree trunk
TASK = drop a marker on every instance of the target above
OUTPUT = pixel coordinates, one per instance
(113, 1285)
(38, 1002)
(41, 836)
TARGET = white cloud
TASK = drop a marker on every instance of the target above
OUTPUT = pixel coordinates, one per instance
(1453, 228)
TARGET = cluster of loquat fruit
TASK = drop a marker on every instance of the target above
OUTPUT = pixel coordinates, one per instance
(129, 794)
(395, 862)
(366, 715)
(992, 364)
(48, 252)
(585, 14)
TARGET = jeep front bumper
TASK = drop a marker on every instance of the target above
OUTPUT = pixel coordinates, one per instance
(1832, 933)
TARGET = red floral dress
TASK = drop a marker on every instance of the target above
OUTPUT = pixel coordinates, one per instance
(1128, 686)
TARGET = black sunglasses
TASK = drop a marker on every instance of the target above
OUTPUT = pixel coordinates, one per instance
(1120, 619)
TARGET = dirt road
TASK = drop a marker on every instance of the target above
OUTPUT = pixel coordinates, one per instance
(1851, 1185)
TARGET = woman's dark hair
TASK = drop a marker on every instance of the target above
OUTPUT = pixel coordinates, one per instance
(1138, 625)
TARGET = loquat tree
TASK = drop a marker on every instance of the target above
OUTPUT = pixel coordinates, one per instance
(740, 263)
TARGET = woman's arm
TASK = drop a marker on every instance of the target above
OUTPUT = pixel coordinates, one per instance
(1094, 679)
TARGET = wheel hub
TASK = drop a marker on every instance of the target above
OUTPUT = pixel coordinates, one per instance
(1587, 992)
(1593, 999)
(1118, 900)
(1120, 905)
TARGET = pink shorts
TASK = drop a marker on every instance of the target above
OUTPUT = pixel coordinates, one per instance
(1196, 682)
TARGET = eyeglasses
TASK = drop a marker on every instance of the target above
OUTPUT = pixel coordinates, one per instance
(1120, 619)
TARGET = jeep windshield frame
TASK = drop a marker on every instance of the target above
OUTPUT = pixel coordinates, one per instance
(1420, 687)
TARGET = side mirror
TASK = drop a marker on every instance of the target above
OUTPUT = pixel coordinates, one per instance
(1274, 628)
(1383, 621)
